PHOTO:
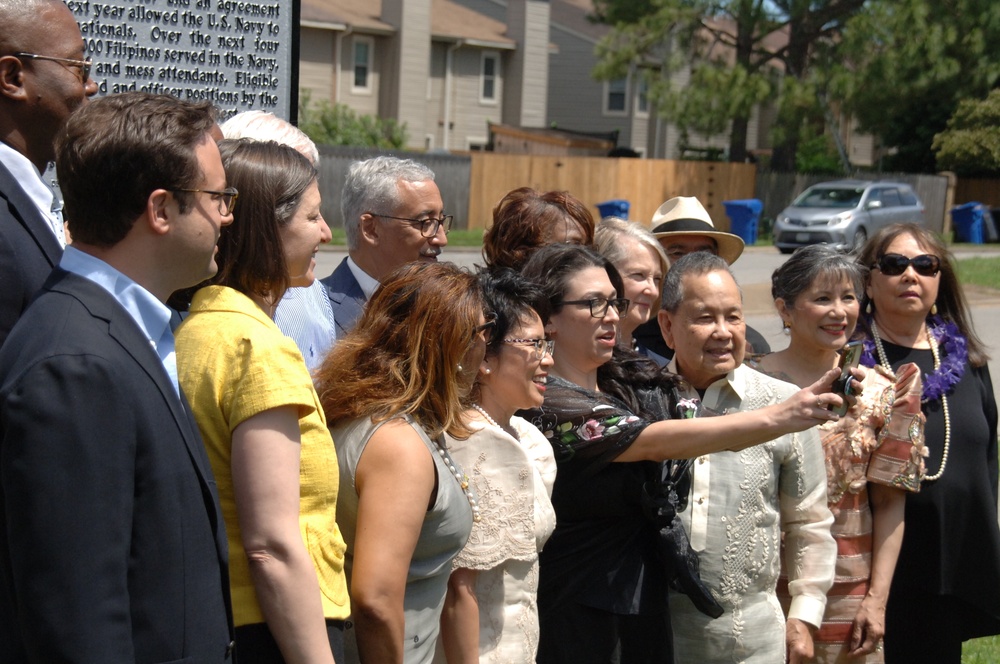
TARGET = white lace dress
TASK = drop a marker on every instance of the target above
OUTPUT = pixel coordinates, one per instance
(513, 482)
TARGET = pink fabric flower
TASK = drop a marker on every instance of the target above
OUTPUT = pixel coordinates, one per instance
(590, 430)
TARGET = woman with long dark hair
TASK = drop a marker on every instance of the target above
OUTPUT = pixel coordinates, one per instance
(946, 588)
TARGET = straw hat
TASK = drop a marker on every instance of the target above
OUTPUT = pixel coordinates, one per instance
(684, 215)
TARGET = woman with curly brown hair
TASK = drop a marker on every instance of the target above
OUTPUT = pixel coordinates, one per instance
(525, 220)
(391, 389)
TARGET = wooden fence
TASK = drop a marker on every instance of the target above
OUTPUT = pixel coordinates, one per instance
(644, 183)
(983, 191)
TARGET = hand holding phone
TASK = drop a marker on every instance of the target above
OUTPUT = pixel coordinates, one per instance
(850, 357)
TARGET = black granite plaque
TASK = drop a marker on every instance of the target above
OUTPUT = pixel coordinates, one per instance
(239, 55)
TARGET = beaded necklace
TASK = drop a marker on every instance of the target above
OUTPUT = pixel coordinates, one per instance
(946, 375)
(463, 481)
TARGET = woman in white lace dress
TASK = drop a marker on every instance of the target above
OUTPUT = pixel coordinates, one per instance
(491, 613)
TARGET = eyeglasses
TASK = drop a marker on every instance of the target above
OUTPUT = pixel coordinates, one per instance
(487, 327)
(599, 305)
(428, 227)
(542, 346)
(891, 265)
(84, 65)
(227, 198)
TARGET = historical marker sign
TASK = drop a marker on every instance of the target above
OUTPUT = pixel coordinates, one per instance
(240, 55)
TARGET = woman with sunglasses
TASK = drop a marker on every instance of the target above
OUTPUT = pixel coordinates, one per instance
(873, 455)
(491, 612)
(602, 586)
(946, 588)
(259, 416)
(392, 388)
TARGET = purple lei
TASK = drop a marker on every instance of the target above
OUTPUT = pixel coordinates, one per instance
(953, 358)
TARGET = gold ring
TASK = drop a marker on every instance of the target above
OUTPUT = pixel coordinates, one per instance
(819, 404)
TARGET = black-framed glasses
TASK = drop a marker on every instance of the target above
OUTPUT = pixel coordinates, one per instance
(599, 305)
(428, 227)
(227, 198)
(84, 64)
(541, 346)
(892, 265)
(486, 328)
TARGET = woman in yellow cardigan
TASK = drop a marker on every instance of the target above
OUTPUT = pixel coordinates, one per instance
(259, 415)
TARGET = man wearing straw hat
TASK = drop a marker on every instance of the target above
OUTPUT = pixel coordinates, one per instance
(683, 226)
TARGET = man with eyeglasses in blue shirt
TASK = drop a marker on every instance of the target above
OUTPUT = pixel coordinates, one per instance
(44, 77)
(393, 215)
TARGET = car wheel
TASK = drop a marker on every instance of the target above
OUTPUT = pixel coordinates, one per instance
(860, 237)
(786, 250)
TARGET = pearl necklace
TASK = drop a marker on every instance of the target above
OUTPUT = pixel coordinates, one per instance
(884, 361)
(482, 411)
(463, 481)
(510, 431)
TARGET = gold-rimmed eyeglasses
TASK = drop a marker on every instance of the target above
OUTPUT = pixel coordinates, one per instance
(226, 198)
(428, 227)
(84, 64)
(541, 346)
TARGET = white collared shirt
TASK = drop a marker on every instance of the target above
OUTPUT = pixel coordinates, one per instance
(740, 506)
(368, 283)
(34, 186)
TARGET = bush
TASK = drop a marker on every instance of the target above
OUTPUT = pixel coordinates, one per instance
(336, 124)
(970, 145)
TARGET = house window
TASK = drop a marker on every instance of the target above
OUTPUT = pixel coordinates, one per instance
(614, 96)
(642, 96)
(363, 48)
(489, 72)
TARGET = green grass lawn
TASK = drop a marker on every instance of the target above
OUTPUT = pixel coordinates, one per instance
(981, 272)
(981, 651)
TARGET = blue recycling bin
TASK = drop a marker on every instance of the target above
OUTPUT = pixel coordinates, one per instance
(616, 207)
(744, 216)
(968, 222)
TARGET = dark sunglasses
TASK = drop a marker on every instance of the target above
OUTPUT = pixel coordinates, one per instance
(892, 265)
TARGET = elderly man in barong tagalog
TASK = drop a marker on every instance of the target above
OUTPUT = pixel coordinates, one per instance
(743, 503)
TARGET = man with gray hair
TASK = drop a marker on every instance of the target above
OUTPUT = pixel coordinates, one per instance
(744, 506)
(393, 215)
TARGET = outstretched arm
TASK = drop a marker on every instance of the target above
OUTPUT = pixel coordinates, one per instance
(685, 439)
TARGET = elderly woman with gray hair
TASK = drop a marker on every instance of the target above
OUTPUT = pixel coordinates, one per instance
(642, 263)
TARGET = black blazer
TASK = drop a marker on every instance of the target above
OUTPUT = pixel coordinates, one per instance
(347, 300)
(112, 544)
(28, 251)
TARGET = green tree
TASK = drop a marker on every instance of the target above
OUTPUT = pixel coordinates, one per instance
(907, 65)
(336, 124)
(971, 143)
(735, 52)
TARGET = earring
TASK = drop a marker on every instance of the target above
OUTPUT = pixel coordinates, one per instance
(868, 308)
(786, 329)
(460, 369)
(488, 371)
(934, 309)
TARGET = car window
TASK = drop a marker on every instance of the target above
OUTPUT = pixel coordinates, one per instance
(873, 195)
(890, 198)
(827, 197)
(907, 197)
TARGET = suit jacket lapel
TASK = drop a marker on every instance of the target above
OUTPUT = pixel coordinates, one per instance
(25, 210)
(347, 300)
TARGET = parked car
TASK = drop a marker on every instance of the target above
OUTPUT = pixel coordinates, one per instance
(844, 213)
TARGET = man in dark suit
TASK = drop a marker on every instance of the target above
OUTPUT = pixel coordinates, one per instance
(112, 545)
(393, 215)
(43, 78)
